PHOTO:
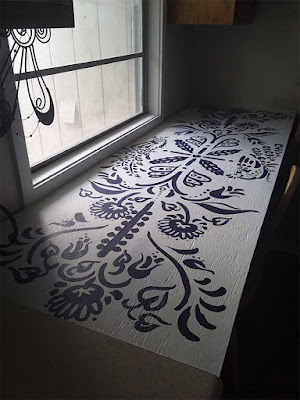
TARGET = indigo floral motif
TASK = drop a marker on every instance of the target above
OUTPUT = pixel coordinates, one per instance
(79, 301)
(179, 225)
(131, 159)
(109, 210)
(171, 187)
(176, 226)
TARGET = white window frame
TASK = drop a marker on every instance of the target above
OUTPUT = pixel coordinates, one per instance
(36, 185)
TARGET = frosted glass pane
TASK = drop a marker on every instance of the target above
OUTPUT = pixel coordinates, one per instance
(86, 102)
(122, 89)
(120, 26)
(103, 29)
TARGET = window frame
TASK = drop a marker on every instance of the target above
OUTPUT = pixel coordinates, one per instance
(38, 182)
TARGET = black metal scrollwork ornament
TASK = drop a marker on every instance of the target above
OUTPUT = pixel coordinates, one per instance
(42, 104)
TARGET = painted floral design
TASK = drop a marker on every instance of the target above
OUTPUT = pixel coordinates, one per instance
(180, 225)
(79, 301)
(130, 159)
(108, 210)
(170, 187)
(176, 226)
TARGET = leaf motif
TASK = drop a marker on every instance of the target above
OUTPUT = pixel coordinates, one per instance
(220, 221)
(202, 319)
(154, 298)
(183, 146)
(211, 307)
(140, 199)
(168, 160)
(228, 143)
(30, 274)
(80, 217)
(194, 264)
(171, 193)
(49, 251)
(5, 253)
(267, 133)
(187, 251)
(197, 141)
(143, 324)
(169, 206)
(218, 193)
(193, 178)
(140, 271)
(223, 152)
(101, 189)
(183, 328)
(111, 180)
(85, 193)
(212, 167)
(117, 294)
(160, 171)
(26, 233)
(205, 281)
(214, 293)
(120, 262)
(2, 263)
(64, 224)
(224, 209)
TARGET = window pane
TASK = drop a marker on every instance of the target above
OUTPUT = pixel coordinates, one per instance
(103, 29)
(86, 101)
(122, 89)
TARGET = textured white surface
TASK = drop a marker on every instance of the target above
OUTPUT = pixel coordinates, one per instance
(153, 247)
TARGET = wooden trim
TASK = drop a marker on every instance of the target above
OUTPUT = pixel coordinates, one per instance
(201, 12)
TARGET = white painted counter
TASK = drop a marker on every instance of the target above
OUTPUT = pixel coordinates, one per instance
(153, 246)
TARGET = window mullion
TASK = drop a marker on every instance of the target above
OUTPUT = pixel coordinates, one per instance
(74, 67)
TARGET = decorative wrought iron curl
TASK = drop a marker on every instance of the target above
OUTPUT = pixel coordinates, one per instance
(23, 44)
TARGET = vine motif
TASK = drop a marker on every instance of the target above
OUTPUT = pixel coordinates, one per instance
(85, 286)
(138, 184)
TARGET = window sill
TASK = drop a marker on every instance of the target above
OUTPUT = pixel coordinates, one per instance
(86, 157)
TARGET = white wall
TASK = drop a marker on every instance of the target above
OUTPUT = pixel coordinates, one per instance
(254, 65)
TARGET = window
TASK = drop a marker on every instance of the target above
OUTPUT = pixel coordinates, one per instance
(93, 71)
(105, 84)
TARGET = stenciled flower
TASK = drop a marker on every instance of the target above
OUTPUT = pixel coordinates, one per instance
(79, 301)
(108, 210)
(242, 126)
(209, 124)
(176, 226)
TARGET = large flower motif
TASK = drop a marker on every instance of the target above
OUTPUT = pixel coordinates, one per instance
(79, 301)
(177, 226)
(108, 210)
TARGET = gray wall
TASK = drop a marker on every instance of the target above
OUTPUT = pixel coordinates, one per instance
(10, 193)
(179, 67)
(254, 65)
